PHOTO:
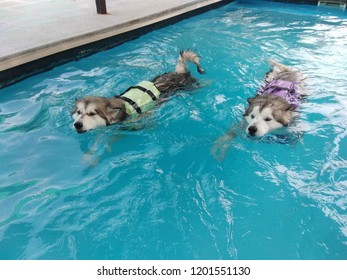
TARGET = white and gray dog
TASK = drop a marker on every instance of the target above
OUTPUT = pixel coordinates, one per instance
(274, 106)
(91, 112)
(276, 101)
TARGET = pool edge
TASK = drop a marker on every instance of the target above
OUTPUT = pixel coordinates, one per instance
(20, 66)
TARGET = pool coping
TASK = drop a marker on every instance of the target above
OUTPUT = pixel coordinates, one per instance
(21, 65)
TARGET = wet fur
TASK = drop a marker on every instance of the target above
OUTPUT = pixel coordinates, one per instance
(91, 112)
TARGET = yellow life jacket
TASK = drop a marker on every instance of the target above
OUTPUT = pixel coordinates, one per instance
(140, 98)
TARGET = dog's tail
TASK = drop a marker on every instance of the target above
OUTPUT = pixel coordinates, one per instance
(280, 66)
(185, 56)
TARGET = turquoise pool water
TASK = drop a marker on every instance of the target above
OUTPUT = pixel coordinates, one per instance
(156, 192)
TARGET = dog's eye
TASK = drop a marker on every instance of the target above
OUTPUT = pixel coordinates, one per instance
(252, 116)
(78, 112)
(268, 119)
(91, 114)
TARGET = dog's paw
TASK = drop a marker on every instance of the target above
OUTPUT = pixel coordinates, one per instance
(221, 146)
(91, 160)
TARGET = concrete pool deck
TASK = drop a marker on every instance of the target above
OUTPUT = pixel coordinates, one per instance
(34, 29)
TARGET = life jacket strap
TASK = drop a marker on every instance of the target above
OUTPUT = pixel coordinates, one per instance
(131, 102)
(148, 91)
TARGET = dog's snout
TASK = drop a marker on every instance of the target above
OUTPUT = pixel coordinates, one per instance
(252, 130)
(78, 125)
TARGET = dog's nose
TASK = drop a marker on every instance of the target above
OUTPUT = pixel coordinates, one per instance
(78, 125)
(252, 130)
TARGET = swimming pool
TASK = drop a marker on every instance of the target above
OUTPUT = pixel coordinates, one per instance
(156, 192)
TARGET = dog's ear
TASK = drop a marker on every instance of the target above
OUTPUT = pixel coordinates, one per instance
(287, 115)
(250, 100)
(284, 121)
(283, 117)
(114, 111)
(114, 115)
(291, 108)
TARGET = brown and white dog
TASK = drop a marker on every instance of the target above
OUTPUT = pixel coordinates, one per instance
(91, 112)
(276, 101)
(274, 106)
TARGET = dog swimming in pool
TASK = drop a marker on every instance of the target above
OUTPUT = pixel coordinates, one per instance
(275, 105)
(91, 112)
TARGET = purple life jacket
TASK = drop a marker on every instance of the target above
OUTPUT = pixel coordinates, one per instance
(284, 89)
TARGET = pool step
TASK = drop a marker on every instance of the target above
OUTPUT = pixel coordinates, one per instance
(334, 3)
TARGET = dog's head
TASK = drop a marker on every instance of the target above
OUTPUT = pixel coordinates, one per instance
(266, 113)
(92, 112)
